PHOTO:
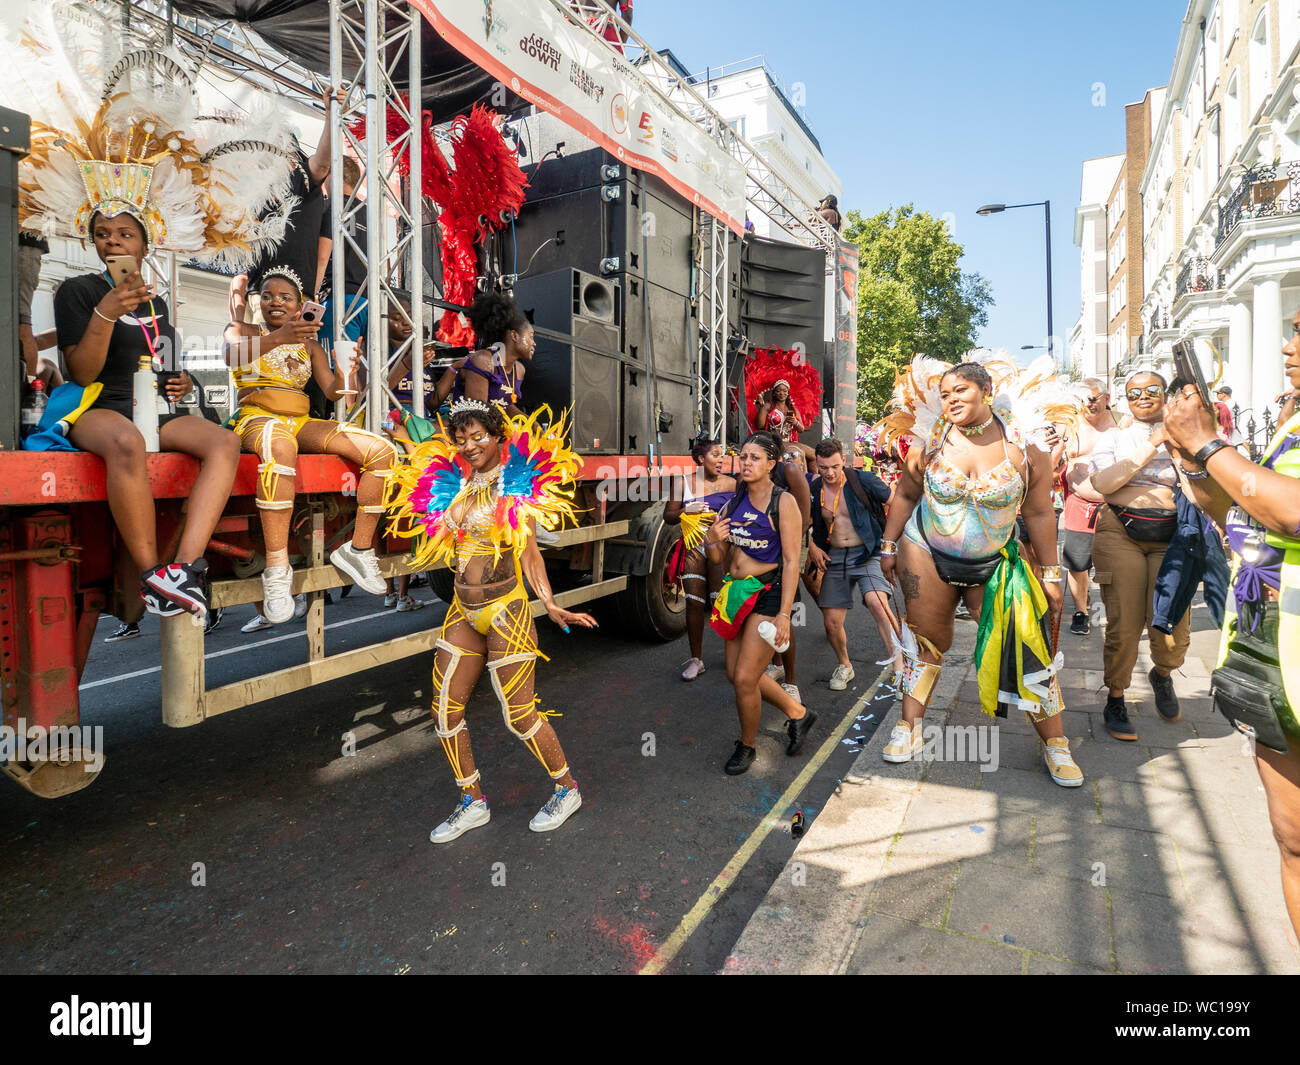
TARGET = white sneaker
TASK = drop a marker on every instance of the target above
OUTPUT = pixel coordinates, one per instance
(904, 742)
(693, 669)
(841, 677)
(300, 605)
(390, 601)
(277, 594)
(471, 813)
(361, 566)
(558, 809)
(793, 691)
(256, 625)
(776, 672)
(408, 603)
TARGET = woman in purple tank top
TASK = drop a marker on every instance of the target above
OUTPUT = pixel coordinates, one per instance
(758, 536)
(495, 372)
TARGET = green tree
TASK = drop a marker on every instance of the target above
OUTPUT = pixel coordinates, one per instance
(913, 297)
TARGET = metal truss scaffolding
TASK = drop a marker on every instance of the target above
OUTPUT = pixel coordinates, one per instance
(384, 37)
(711, 374)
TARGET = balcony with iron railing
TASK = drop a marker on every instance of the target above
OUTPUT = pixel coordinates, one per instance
(1197, 275)
(1264, 192)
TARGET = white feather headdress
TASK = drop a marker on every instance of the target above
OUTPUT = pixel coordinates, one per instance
(117, 131)
(1026, 399)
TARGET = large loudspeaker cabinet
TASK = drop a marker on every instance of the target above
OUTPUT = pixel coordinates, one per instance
(585, 209)
(572, 376)
(782, 303)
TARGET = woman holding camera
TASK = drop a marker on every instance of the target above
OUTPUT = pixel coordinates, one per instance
(1259, 507)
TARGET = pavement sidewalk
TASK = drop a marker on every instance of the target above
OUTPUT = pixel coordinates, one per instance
(1163, 862)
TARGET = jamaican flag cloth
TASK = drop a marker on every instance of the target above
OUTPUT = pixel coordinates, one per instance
(734, 604)
(1014, 659)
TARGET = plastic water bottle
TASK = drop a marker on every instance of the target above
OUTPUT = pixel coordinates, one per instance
(768, 631)
(33, 409)
(144, 402)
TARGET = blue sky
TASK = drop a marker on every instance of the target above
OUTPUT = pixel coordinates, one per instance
(953, 105)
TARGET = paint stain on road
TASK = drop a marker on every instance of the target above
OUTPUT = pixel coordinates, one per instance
(633, 940)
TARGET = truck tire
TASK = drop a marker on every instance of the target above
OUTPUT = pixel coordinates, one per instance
(441, 583)
(648, 607)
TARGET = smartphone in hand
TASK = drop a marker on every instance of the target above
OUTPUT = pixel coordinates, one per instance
(312, 312)
(120, 267)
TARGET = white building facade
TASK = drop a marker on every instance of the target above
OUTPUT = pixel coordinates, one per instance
(1221, 196)
(1089, 337)
(770, 115)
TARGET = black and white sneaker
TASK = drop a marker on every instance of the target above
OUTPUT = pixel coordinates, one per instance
(128, 630)
(184, 584)
(158, 604)
(214, 619)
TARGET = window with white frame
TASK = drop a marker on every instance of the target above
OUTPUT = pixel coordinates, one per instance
(1288, 29)
(1231, 117)
(1260, 73)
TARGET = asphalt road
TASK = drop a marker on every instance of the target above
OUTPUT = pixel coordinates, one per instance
(319, 861)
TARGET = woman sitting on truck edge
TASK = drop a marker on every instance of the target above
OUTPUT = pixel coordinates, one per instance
(105, 329)
(702, 495)
(474, 500)
(271, 366)
(757, 536)
(494, 373)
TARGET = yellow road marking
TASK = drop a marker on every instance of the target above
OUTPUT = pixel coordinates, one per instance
(665, 954)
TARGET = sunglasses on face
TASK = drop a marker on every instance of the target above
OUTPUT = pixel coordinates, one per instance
(1150, 390)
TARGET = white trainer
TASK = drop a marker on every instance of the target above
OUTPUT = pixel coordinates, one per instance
(841, 677)
(277, 594)
(904, 742)
(792, 690)
(776, 672)
(300, 605)
(558, 809)
(470, 813)
(361, 566)
(256, 625)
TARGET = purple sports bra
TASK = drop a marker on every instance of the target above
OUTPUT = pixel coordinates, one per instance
(753, 532)
(503, 388)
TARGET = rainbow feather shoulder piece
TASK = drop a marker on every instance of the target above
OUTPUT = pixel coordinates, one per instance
(419, 493)
(538, 477)
(538, 472)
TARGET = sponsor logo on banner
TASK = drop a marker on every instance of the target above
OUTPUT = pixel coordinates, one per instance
(585, 82)
(538, 47)
(645, 128)
(618, 112)
(669, 144)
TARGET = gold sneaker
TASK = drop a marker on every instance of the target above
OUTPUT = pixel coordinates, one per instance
(1060, 764)
(904, 742)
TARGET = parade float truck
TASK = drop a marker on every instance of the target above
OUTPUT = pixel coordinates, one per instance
(629, 254)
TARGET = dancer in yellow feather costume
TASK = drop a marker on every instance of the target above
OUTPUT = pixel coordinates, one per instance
(473, 500)
(976, 459)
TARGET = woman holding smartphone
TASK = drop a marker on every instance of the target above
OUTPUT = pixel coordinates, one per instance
(272, 363)
(106, 325)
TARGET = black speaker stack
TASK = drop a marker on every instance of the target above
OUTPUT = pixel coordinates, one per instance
(598, 248)
(782, 305)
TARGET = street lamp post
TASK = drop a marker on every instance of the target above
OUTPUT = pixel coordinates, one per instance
(1046, 205)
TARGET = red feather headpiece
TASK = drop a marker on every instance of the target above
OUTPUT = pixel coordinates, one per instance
(766, 366)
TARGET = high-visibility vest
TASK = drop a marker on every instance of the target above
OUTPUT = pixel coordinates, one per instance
(1288, 633)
